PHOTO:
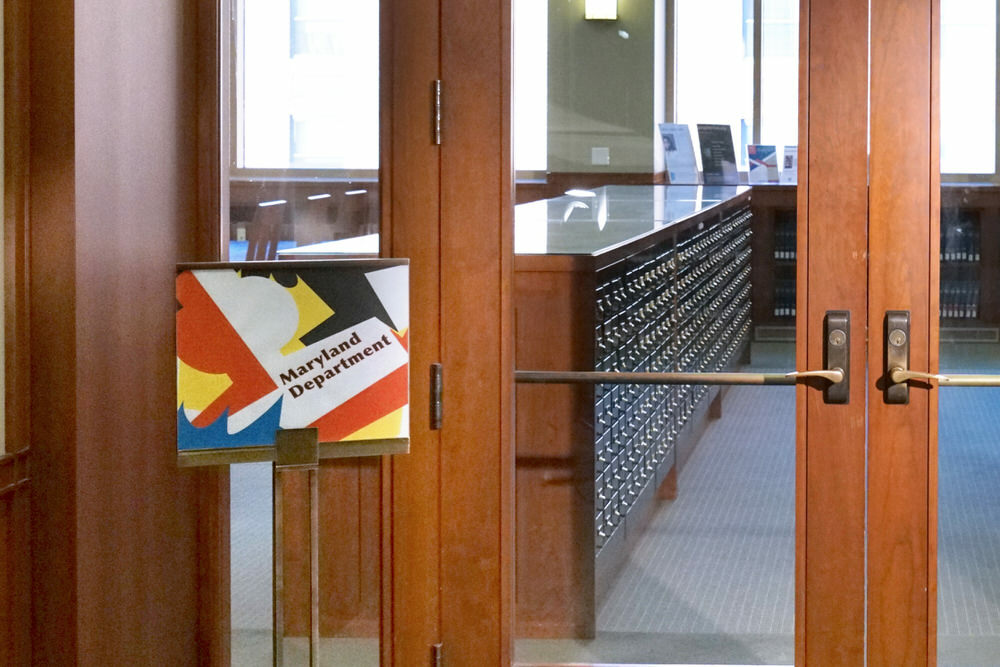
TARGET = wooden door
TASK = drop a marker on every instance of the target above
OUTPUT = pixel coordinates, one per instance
(903, 249)
(832, 241)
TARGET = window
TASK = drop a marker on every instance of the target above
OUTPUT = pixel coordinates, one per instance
(303, 128)
(968, 86)
(568, 99)
(779, 73)
(530, 83)
(714, 67)
(306, 85)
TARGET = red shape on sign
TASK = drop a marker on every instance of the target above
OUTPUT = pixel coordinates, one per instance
(207, 342)
(379, 400)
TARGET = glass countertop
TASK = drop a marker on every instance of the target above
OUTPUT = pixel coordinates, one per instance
(586, 222)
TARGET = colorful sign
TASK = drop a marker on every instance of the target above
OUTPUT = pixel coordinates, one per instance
(287, 345)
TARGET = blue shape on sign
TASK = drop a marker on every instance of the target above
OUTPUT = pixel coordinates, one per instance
(216, 435)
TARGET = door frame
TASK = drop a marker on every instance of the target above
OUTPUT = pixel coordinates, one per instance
(448, 505)
(842, 233)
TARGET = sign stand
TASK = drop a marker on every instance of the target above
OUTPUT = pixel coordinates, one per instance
(296, 450)
(266, 351)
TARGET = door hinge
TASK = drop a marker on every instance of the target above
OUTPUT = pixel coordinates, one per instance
(437, 390)
(436, 660)
(436, 123)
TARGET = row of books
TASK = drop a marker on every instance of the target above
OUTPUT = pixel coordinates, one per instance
(784, 242)
(784, 298)
(960, 243)
(960, 299)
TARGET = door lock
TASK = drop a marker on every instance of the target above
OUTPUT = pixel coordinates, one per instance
(837, 354)
(897, 364)
(897, 355)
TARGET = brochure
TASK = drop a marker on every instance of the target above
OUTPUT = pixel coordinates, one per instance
(790, 165)
(763, 161)
(718, 159)
(678, 154)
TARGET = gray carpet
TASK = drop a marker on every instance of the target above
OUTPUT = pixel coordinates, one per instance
(712, 580)
(969, 512)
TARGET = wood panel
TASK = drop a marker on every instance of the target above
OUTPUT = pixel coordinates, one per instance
(411, 551)
(201, 62)
(554, 535)
(111, 210)
(15, 552)
(903, 242)
(15, 464)
(52, 246)
(831, 274)
(476, 326)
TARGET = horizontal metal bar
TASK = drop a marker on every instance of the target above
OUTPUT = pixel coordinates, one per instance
(898, 375)
(188, 458)
(970, 381)
(598, 377)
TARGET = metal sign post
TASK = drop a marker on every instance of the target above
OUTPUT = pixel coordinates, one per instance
(296, 450)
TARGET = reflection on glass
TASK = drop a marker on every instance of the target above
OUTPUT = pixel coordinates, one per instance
(250, 528)
(303, 126)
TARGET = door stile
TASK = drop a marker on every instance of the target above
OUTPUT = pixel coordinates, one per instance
(934, 328)
(832, 275)
(903, 243)
(411, 539)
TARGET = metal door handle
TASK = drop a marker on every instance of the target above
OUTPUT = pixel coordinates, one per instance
(834, 375)
(897, 362)
(836, 358)
(899, 375)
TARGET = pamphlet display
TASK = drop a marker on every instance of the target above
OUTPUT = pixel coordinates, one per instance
(718, 159)
(790, 165)
(763, 161)
(265, 347)
(678, 154)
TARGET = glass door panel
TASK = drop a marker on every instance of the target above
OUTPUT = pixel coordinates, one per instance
(968, 503)
(303, 127)
(301, 104)
(655, 524)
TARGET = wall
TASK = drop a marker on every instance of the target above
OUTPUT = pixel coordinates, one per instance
(113, 207)
(606, 89)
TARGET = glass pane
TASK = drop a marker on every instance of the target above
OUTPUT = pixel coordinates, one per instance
(303, 127)
(301, 98)
(779, 76)
(654, 524)
(968, 93)
(714, 66)
(969, 431)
